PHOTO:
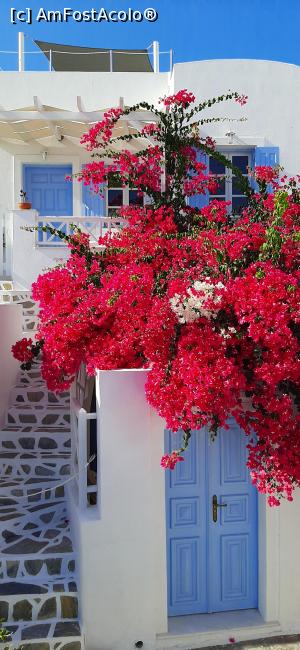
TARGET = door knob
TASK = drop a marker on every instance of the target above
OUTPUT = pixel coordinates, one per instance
(215, 506)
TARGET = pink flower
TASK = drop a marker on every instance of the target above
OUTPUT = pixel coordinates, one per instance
(241, 99)
(169, 461)
(182, 98)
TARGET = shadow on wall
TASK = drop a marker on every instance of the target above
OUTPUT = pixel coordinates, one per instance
(10, 332)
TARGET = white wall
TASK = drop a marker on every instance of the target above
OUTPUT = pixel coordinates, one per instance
(10, 332)
(289, 565)
(122, 544)
(272, 110)
(98, 90)
(28, 259)
(123, 564)
(6, 180)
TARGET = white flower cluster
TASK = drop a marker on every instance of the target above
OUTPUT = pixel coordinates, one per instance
(192, 306)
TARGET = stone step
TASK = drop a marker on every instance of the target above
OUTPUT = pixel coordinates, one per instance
(35, 440)
(53, 635)
(35, 429)
(39, 568)
(38, 607)
(38, 415)
(282, 642)
(29, 394)
(41, 527)
(35, 464)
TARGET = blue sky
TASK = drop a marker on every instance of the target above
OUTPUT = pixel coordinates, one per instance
(195, 29)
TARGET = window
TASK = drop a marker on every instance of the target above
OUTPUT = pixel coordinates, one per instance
(119, 196)
(229, 189)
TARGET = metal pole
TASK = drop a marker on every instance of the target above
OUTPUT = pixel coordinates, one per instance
(21, 61)
(50, 61)
(155, 46)
(171, 60)
(111, 68)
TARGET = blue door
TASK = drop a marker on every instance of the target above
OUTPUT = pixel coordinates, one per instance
(47, 189)
(211, 510)
(50, 194)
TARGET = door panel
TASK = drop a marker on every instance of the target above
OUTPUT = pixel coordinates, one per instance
(47, 189)
(186, 528)
(233, 538)
(212, 565)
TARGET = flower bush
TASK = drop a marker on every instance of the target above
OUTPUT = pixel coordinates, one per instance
(209, 302)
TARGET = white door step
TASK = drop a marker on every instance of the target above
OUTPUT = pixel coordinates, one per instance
(282, 642)
(216, 635)
(46, 635)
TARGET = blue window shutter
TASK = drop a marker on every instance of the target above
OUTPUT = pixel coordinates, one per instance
(200, 200)
(93, 205)
(265, 157)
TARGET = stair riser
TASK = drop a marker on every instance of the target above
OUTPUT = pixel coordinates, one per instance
(38, 607)
(37, 569)
(35, 468)
(56, 643)
(34, 441)
(37, 395)
(38, 417)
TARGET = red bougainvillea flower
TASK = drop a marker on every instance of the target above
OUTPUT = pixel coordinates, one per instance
(169, 461)
(22, 350)
(182, 98)
(208, 302)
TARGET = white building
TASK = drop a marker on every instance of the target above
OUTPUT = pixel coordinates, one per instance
(149, 563)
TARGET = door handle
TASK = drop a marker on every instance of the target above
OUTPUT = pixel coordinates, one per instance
(215, 506)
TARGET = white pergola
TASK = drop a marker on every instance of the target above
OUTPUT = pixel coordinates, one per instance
(40, 126)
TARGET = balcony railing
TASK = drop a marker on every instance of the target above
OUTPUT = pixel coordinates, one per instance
(95, 227)
(83, 445)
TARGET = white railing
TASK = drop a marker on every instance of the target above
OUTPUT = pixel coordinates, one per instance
(80, 419)
(86, 480)
(95, 227)
(108, 59)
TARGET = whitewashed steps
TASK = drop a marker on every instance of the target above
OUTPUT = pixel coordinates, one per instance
(38, 584)
(45, 636)
(43, 568)
(30, 603)
(38, 415)
(35, 439)
(28, 394)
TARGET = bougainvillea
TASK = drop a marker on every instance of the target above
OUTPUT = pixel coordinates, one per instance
(209, 302)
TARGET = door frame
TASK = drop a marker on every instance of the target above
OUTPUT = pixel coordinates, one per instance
(268, 524)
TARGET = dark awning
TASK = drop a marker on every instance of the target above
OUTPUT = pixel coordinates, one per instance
(70, 58)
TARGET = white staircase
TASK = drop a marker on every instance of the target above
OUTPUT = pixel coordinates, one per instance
(38, 582)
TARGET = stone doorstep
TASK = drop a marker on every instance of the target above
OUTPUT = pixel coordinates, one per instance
(288, 641)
